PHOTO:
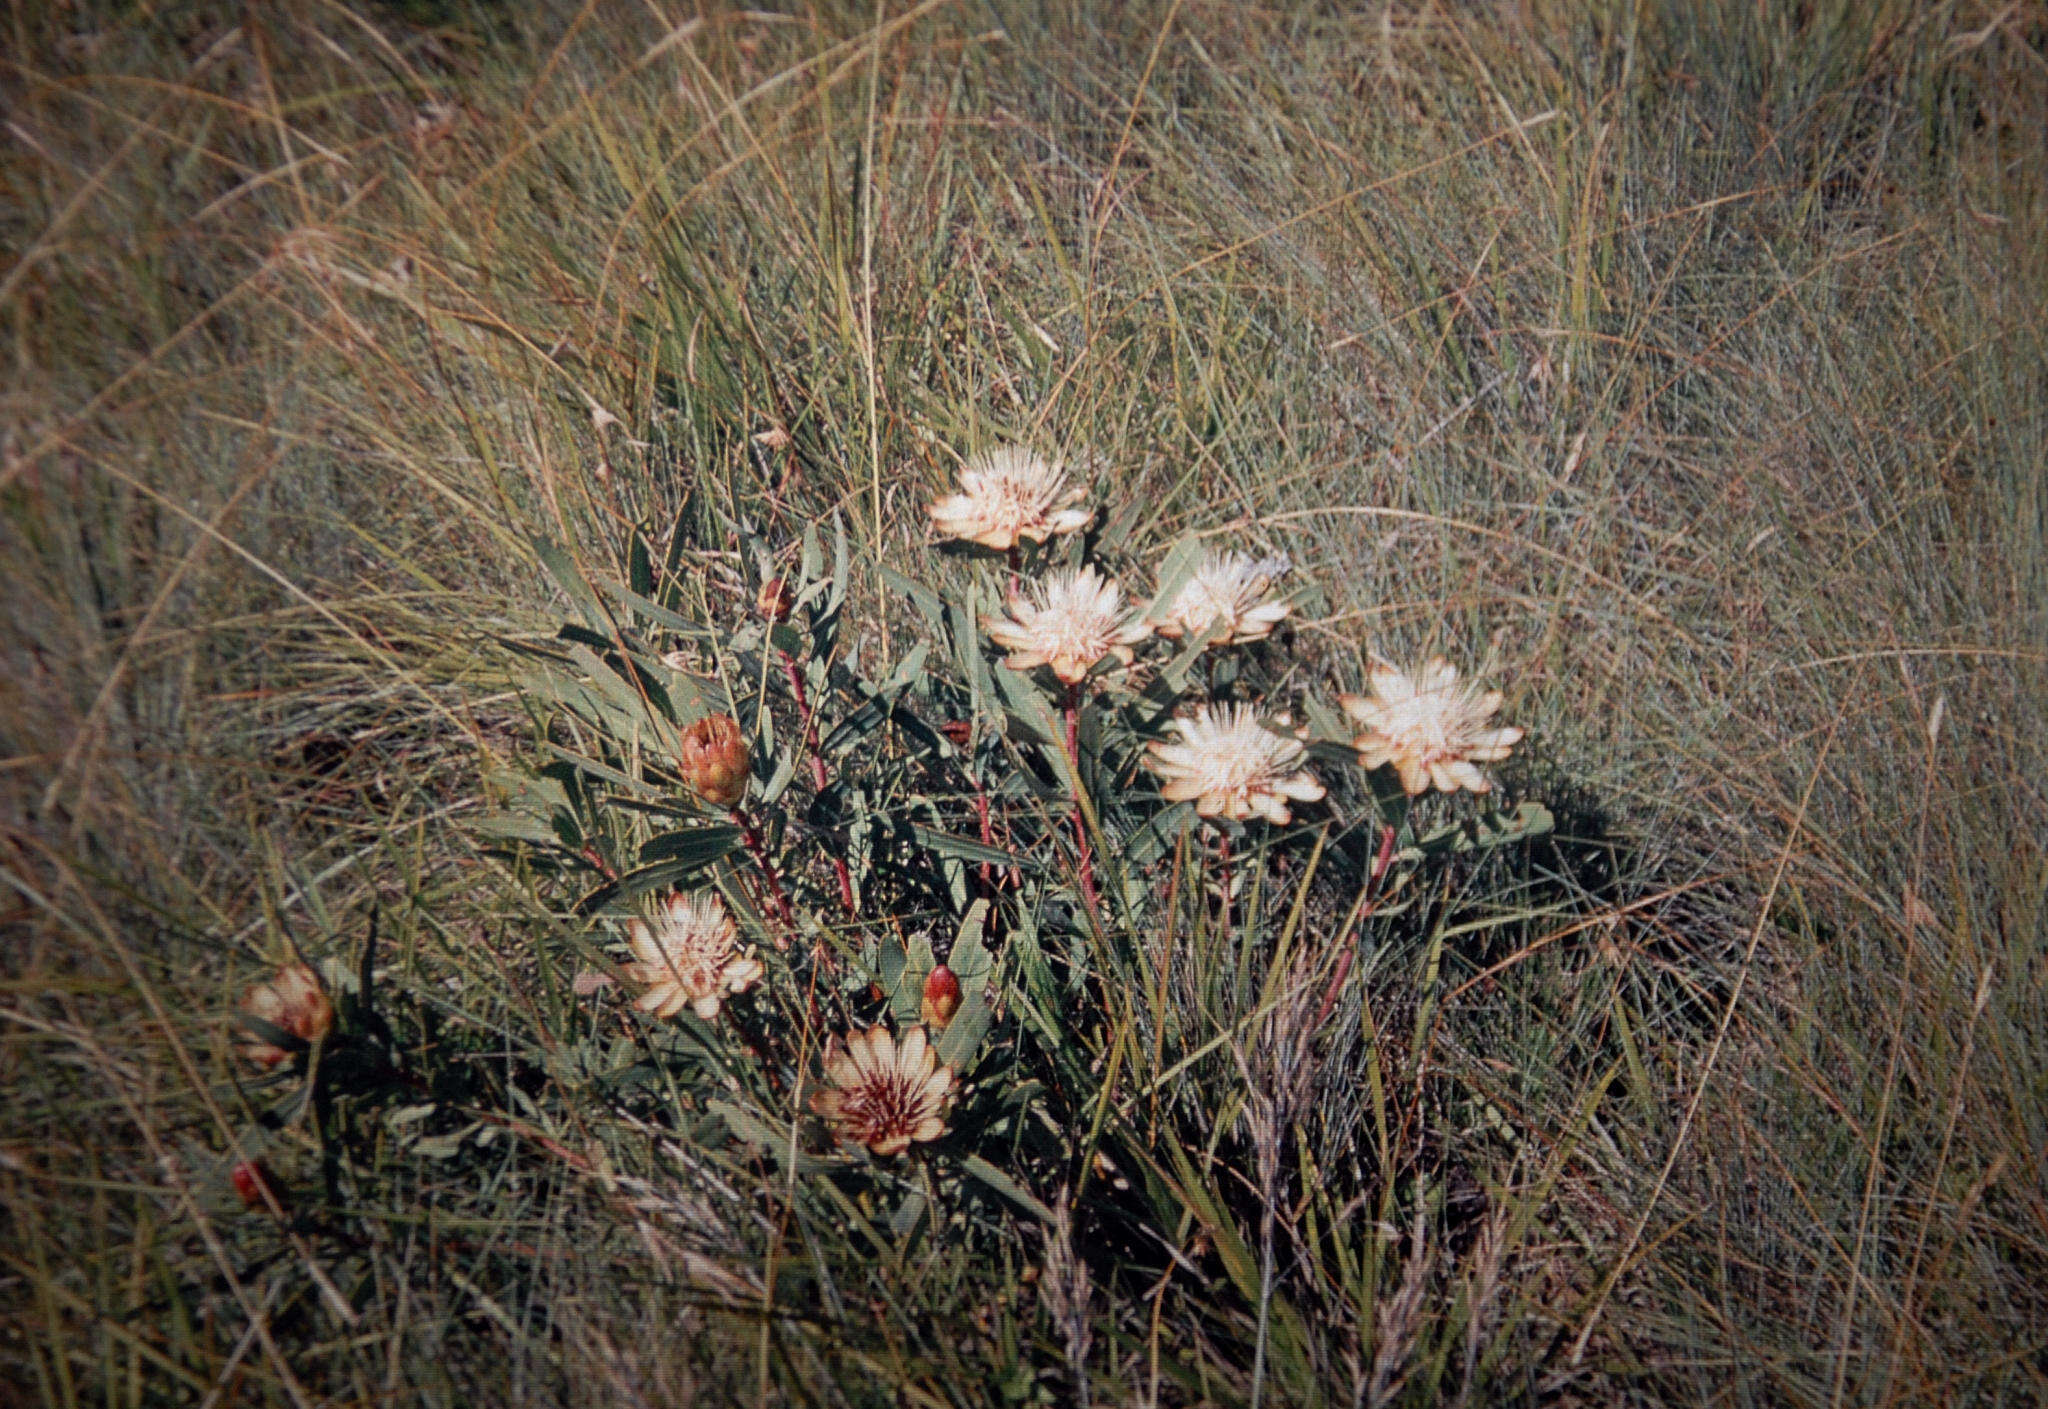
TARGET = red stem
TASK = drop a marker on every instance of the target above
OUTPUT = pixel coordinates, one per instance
(1087, 859)
(818, 775)
(1379, 870)
(755, 847)
(988, 836)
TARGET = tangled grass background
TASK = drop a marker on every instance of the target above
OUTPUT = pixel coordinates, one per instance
(1681, 365)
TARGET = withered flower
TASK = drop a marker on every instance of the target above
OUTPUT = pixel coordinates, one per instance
(293, 1002)
(775, 601)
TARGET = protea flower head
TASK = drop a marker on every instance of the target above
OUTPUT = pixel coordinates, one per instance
(293, 1002)
(689, 957)
(883, 1093)
(714, 760)
(1231, 592)
(1010, 495)
(1230, 765)
(1431, 728)
(1070, 621)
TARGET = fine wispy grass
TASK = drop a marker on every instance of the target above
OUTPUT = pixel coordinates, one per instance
(1679, 366)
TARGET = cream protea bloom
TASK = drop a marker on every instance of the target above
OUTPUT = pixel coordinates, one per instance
(1232, 766)
(1076, 619)
(1008, 495)
(1430, 727)
(884, 1093)
(689, 955)
(294, 1003)
(1231, 591)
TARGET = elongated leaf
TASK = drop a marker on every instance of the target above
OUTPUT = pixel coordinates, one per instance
(642, 879)
(1006, 1186)
(928, 603)
(973, 966)
(701, 844)
(966, 849)
(1482, 833)
(563, 569)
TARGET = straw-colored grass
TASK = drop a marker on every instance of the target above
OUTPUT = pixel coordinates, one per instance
(1683, 364)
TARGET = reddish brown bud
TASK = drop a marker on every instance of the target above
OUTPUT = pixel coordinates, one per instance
(715, 762)
(776, 600)
(256, 1185)
(293, 1002)
(941, 997)
(960, 731)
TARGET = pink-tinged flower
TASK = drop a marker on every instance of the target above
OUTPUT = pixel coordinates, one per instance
(1431, 728)
(292, 1002)
(689, 956)
(1232, 593)
(1230, 765)
(1010, 495)
(884, 1094)
(1071, 621)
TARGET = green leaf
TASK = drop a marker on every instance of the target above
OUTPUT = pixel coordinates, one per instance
(703, 845)
(903, 1222)
(975, 968)
(970, 958)
(563, 569)
(1326, 724)
(638, 882)
(967, 849)
(512, 826)
(1028, 707)
(639, 566)
(1482, 833)
(1159, 834)
(906, 995)
(1006, 1186)
(928, 603)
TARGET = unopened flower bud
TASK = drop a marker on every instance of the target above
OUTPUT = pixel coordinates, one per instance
(941, 997)
(715, 762)
(253, 1181)
(294, 1003)
(776, 600)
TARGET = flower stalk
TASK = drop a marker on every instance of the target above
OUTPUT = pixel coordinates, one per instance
(1087, 859)
(1380, 863)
